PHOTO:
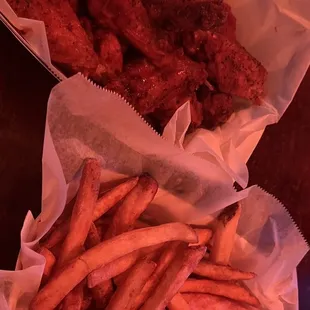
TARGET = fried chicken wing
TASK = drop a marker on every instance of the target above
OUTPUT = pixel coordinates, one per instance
(109, 50)
(217, 107)
(129, 17)
(229, 27)
(147, 88)
(187, 15)
(69, 45)
(88, 27)
(236, 71)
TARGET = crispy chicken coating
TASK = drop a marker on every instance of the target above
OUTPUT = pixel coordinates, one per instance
(69, 45)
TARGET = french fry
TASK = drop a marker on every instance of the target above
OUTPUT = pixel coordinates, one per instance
(74, 300)
(224, 236)
(204, 236)
(118, 266)
(220, 288)
(176, 274)
(132, 206)
(93, 238)
(102, 294)
(75, 271)
(104, 204)
(57, 235)
(221, 272)
(131, 287)
(80, 222)
(178, 303)
(50, 261)
(82, 212)
(110, 198)
(207, 301)
(168, 253)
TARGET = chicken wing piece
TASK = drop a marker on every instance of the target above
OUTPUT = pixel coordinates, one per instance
(217, 107)
(148, 88)
(69, 45)
(229, 27)
(187, 15)
(193, 41)
(109, 50)
(236, 71)
(130, 18)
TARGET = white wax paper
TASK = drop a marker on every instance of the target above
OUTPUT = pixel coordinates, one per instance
(192, 190)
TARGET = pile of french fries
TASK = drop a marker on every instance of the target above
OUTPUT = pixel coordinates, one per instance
(101, 255)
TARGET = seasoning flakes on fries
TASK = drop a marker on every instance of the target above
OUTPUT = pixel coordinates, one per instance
(115, 261)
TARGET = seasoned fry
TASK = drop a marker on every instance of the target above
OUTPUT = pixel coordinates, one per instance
(50, 261)
(207, 301)
(221, 272)
(132, 206)
(74, 300)
(102, 294)
(176, 274)
(132, 286)
(163, 262)
(224, 236)
(104, 204)
(118, 266)
(93, 237)
(75, 271)
(220, 288)
(204, 236)
(82, 212)
(57, 235)
(178, 303)
(113, 196)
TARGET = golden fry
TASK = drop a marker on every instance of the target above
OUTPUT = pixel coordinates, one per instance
(103, 205)
(103, 291)
(168, 253)
(57, 235)
(224, 236)
(220, 288)
(132, 206)
(132, 286)
(113, 196)
(74, 272)
(74, 300)
(50, 261)
(82, 212)
(178, 303)
(221, 272)
(204, 236)
(102, 294)
(207, 301)
(176, 274)
(118, 266)
(93, 238)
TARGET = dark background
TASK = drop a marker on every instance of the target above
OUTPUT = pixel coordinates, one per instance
(280, 163)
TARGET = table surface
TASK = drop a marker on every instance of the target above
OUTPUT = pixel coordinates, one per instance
(280, 163)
